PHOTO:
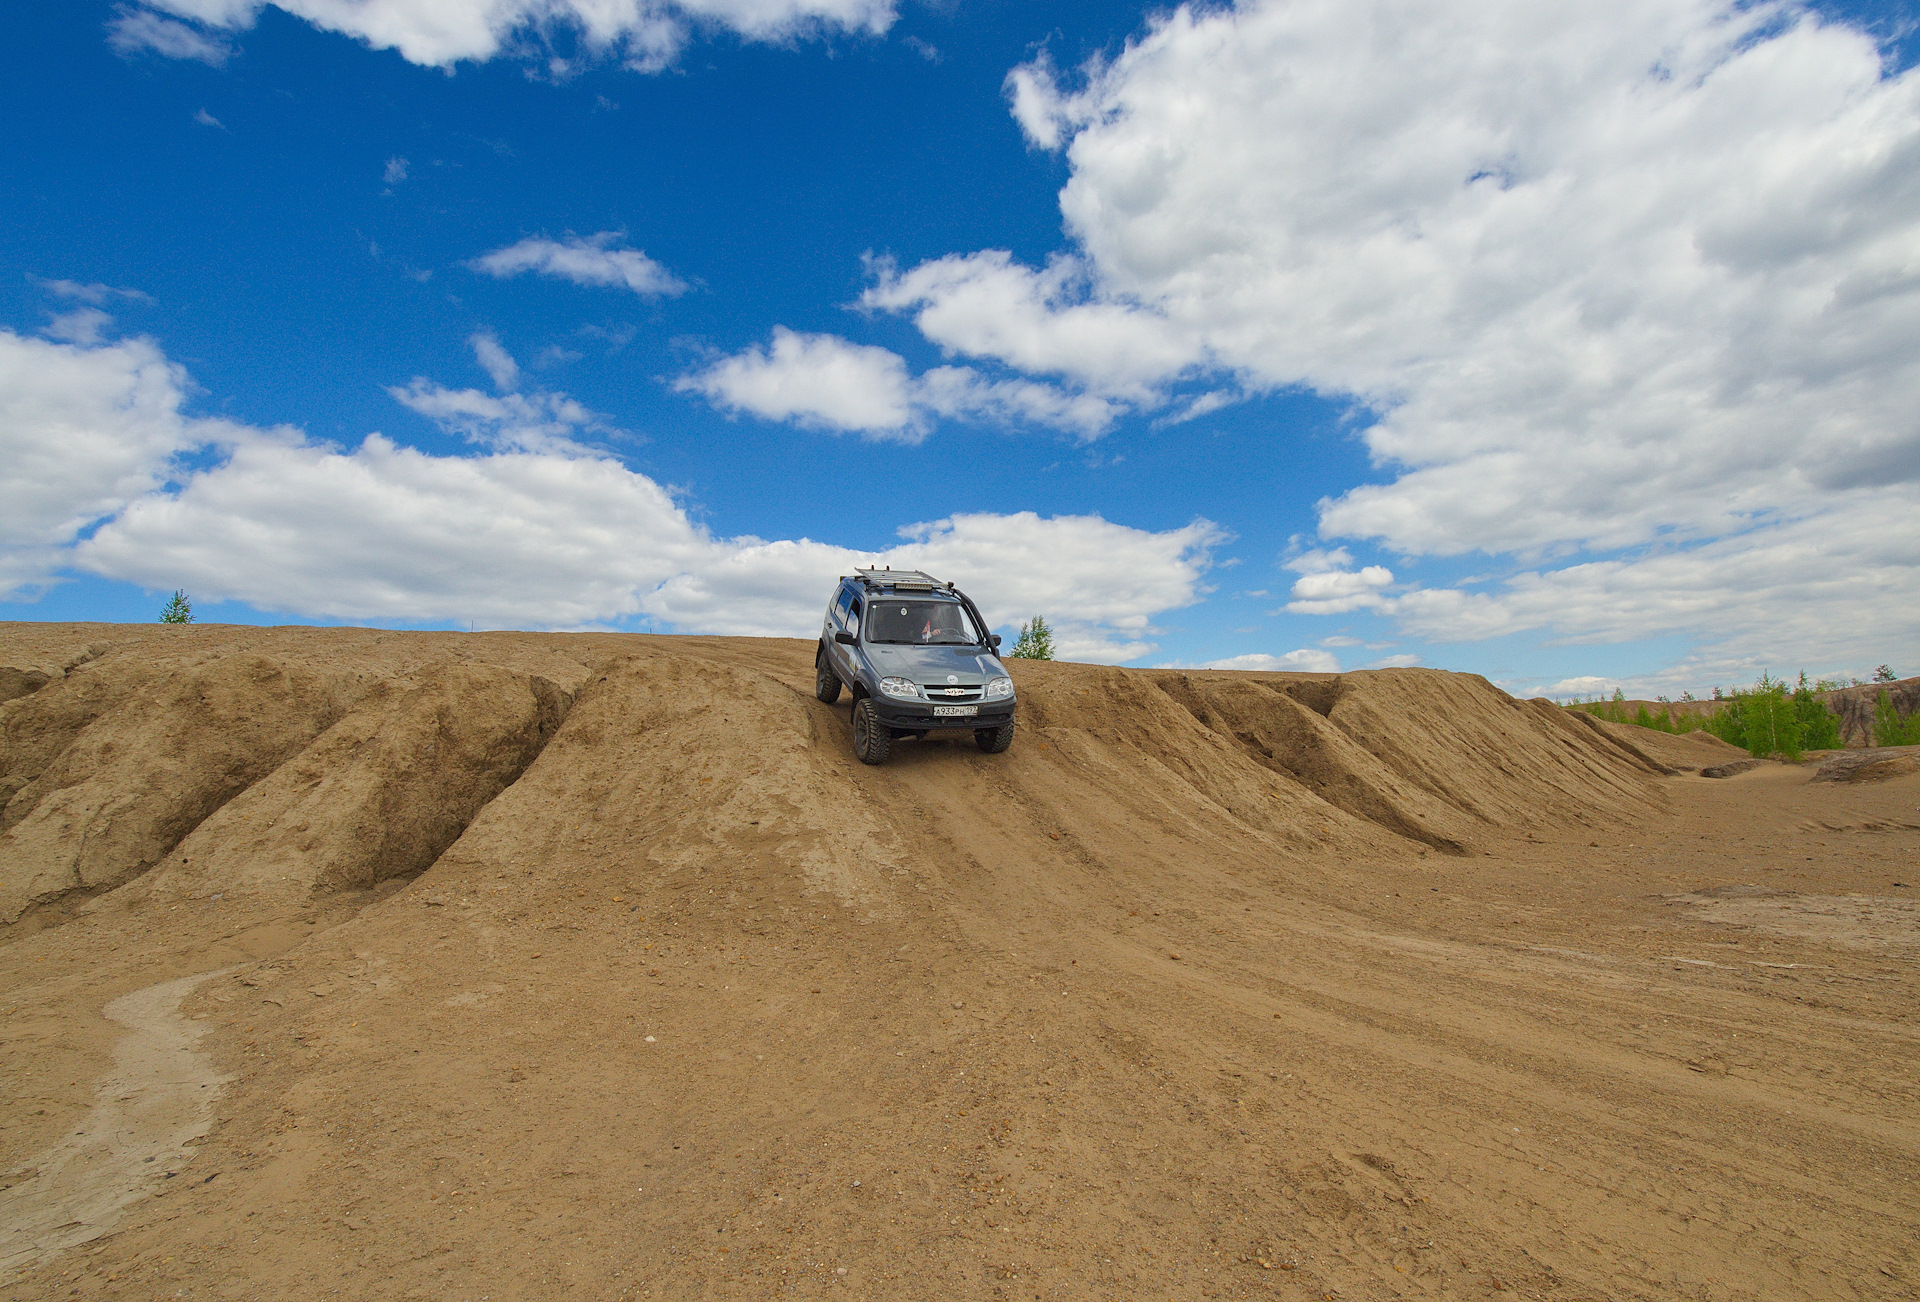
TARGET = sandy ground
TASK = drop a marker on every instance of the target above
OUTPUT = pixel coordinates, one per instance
(542, 966)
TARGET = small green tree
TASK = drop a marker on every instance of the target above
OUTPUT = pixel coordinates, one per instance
(1035, 641)
(1729, 722)
(1889, 729)
(178, 609)
(1884, 674)
(1819, 727)
(1763, 720)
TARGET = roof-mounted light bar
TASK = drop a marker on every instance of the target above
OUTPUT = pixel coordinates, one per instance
(900, 580)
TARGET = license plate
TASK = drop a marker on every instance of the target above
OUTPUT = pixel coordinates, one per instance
(954, 711)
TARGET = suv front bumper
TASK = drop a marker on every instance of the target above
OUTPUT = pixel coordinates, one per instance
(918, 715)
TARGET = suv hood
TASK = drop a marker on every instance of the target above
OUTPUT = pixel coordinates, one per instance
(932, 664)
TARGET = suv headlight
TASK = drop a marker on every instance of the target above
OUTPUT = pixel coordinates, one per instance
(904, 688)
(998, 688)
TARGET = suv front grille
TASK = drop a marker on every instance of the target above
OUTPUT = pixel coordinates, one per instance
(952, 695)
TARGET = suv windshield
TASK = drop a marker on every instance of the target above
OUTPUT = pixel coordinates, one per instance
(924, 623)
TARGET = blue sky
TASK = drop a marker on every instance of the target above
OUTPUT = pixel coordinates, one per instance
(1273, 335)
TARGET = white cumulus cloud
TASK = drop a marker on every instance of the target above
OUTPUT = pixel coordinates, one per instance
(533, 530)
(1630, 269)
(826, 382)
(987, 305)
(1831, 590)
(84, 430)
(817, 380)
(83, 325)
(508, 421)
(94, 293)
(495, 360)
(1580, 685)
(1624, 284)
(1303, 661)
(1099, 584)
(137, 31)
(1329, 584)
(962, 393)
(387, 532)
(646, 34)
(584, 260)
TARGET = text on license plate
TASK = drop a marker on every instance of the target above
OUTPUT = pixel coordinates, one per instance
(954, 711)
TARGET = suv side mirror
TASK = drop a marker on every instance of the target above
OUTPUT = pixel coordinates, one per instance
(846, 639)
(994, 641)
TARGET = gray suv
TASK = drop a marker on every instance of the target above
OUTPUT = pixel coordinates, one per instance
(918, 658)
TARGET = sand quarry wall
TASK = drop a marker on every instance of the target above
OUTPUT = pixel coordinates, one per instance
(185, 762)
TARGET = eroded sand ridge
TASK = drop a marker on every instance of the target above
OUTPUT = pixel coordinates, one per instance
(583, 965)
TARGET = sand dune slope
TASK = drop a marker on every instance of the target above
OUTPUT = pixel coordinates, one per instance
(590, 965)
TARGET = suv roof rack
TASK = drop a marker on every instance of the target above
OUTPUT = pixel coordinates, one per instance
(901, 580)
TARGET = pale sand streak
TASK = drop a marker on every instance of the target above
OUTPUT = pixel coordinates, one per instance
(158, 1098)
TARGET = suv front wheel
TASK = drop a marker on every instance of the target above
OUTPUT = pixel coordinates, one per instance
(872, 743)
(826, 683)
(994, 740)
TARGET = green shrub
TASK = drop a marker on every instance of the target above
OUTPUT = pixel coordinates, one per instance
(1612, 711)
(1035, 641)
(1615, 711)
(1889, 729)
(1764, 720)
(1667, 723)
(1729, 722)
(178, 609)
(1819, 726)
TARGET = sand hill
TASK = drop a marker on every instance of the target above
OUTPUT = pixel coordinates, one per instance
(342, 963)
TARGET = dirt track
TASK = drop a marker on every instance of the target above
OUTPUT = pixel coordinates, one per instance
(582, 965)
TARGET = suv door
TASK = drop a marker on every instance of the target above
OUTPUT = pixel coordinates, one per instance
(841, 619)
(850, 656)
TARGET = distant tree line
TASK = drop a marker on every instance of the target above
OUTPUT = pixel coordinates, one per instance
(1615, 711)
(1769, 719)
(1772, 717)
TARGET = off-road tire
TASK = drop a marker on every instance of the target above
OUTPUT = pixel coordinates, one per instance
(872, 743)
(826, 683)
(994, 740)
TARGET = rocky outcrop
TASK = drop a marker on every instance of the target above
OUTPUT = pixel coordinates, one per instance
(1855, 706)
(1870, 765)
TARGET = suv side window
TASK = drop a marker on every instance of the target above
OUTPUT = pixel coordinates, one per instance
(840, 606)
(853, 617)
